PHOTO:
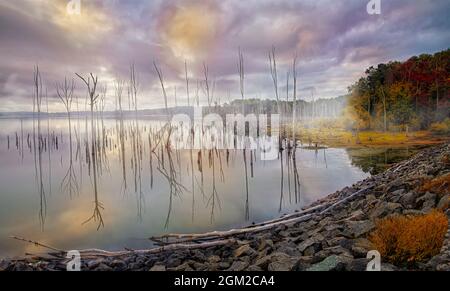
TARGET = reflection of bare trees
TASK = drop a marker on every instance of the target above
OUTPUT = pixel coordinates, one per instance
(91, 84)
(64, 91)
(38, 145)
(121, 133)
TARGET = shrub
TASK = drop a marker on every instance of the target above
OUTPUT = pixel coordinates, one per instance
(441, 127)
(407, 240)
(439, 185)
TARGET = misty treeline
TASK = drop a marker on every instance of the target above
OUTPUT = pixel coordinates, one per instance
(402, 95)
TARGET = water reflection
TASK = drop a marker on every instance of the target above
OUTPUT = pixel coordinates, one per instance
(131, 184)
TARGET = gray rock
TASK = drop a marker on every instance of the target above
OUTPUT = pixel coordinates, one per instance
(214, 259)
(183, 267)
(357, 265)
(428, 198)
(263, 262)
(119, 265)
(282, 262)
(310, 251)
(94, 263)
(359, 228)
(103, 268)
(385, 267)
(238, 266)
(4, 265)
(332, 263)
(158, 268)
(408, 200)
(444, 202)
(224, 265)
(254, 268)
(317, 239)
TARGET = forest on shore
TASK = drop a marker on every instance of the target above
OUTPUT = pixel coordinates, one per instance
(402, 96)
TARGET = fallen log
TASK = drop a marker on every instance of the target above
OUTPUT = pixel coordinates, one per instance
(286, 220)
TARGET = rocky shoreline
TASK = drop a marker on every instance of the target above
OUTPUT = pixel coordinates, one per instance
(326, 241)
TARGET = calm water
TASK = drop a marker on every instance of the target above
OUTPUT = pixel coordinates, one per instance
(51, 199)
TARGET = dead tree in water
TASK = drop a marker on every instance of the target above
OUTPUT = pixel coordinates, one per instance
(118, 92)
(274, 74)
(91, 84)
(38, 146)
(244, 151)
(64, 91)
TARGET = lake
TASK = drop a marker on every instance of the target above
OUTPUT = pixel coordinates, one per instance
(47, 187)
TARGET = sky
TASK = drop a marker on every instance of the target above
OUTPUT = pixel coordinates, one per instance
(334, 41)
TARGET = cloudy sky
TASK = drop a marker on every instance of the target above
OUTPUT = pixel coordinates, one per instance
(334, 41)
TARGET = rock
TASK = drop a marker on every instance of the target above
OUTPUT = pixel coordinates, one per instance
(317, 239)
(22, 267)
(238, 266)
(95, 263)
(359, 252)
(393, 206)
(214, 259)
(134, 266)
(224, 265)
(263, 262)
(282, 262)
(408, 200)
(379, 211)
(310, 251)
(426, 201)
(199, 266)
(103, 268)
(254, 268)
(158, 268)
(303, 263)
(398, 192)
(357, 215)
(357, 265)
(183, 267)
(332, 263)
(359, 228)
(4, 265)
(264, 243)
(289, 248)
(243, 250)
(385, 267)
(444, 203)
(119, 265)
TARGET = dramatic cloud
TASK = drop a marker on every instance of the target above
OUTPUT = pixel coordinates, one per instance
(334, 40)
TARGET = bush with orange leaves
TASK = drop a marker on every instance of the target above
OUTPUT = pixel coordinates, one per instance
(406, 240)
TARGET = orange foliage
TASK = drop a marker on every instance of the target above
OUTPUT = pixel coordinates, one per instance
(405, 240)
(439, 185)
(446, 160)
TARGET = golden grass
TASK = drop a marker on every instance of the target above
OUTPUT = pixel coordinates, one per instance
(340, 138)
(406, 240)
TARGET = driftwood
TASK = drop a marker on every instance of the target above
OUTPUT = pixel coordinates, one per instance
(38, 244)
(285, 220)
(95, 253)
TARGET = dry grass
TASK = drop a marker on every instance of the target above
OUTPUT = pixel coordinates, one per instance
(337, 137)
(439, 185)
(406, 240)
